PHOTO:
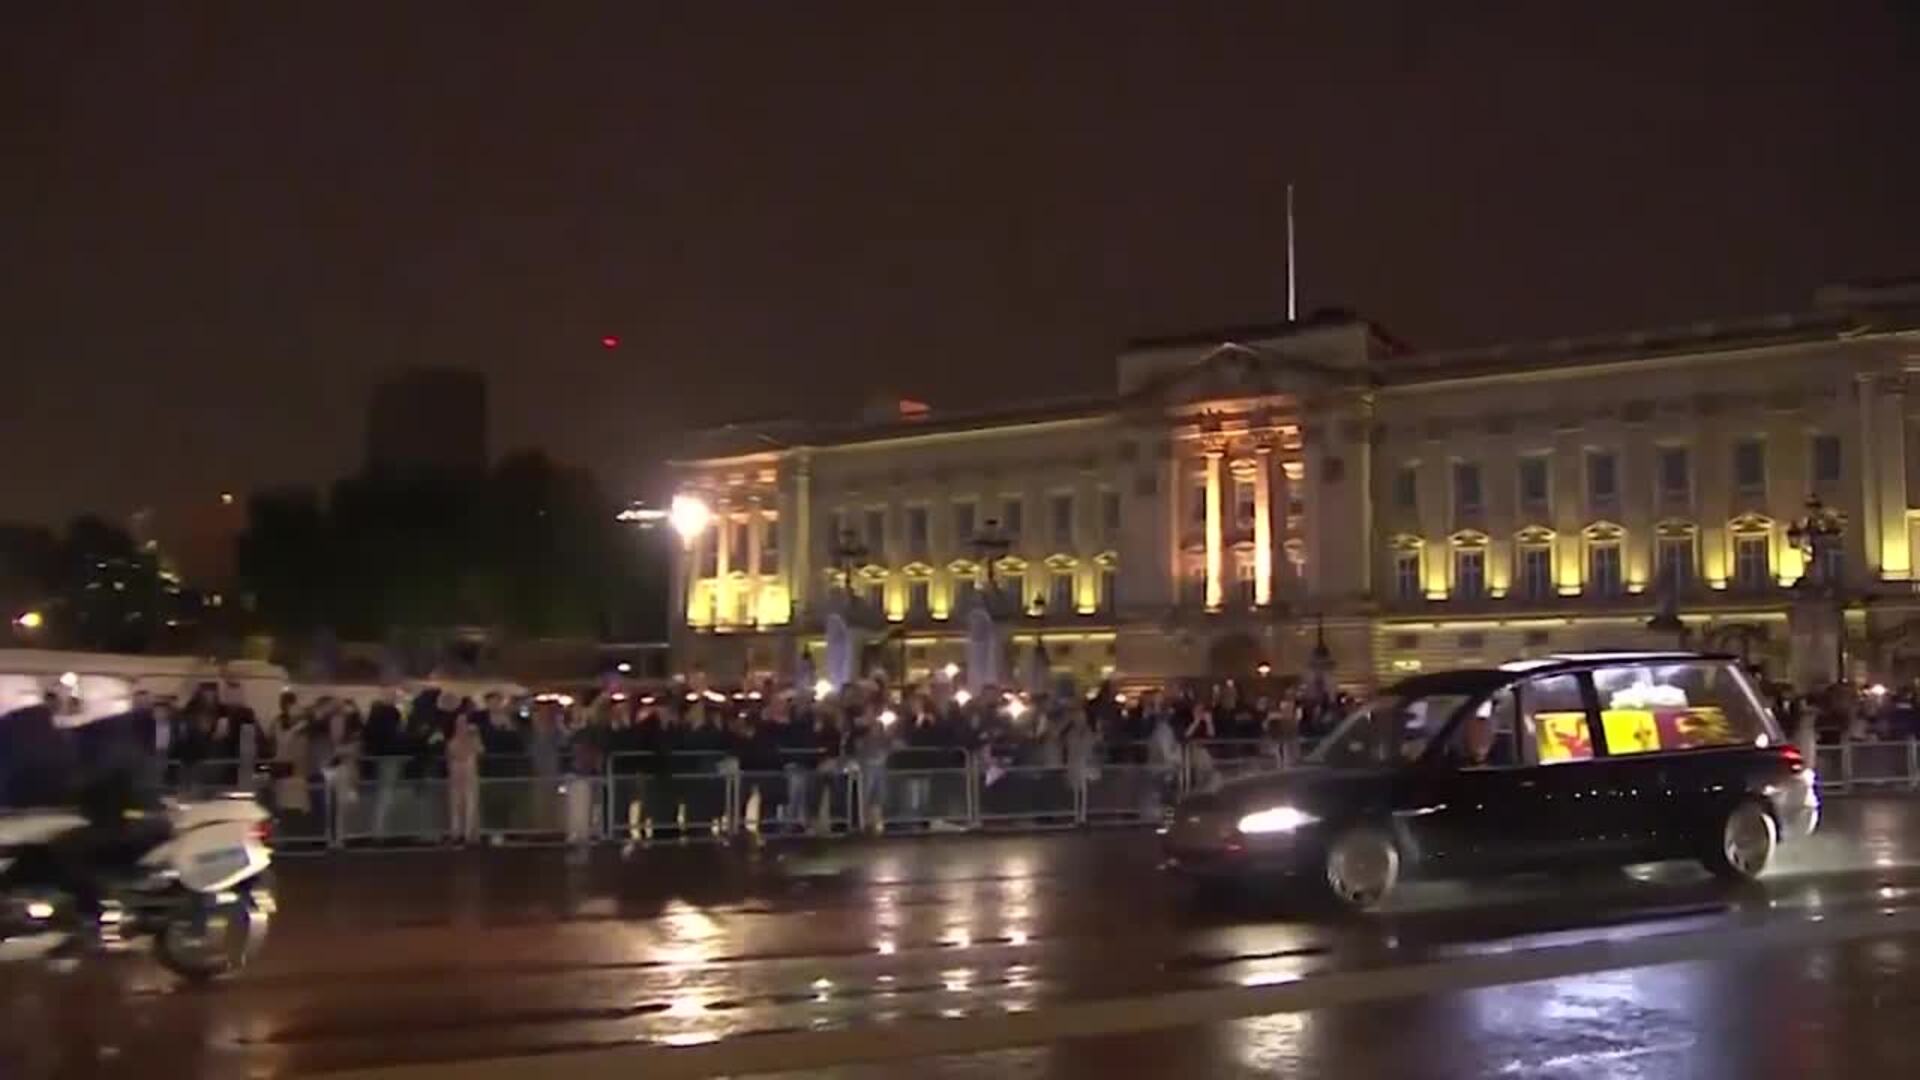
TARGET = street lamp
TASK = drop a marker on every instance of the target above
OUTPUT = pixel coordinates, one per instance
(1320, 661)
(990, 545)
(689, 515)
(30, 620)
(1817, 534)
(848, 552)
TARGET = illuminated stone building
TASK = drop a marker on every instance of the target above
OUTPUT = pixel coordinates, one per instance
(1243, 495)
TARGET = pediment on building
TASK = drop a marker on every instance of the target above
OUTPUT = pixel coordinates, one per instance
(1232, 371)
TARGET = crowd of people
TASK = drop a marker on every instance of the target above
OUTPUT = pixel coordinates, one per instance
(538, 764)
(686, 758)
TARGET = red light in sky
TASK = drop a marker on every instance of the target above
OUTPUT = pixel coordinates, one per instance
(609, 342)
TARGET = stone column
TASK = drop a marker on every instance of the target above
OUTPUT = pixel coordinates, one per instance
(796, 523)
(1889, 454)
(1263, 526)
(1216, 555)
(756, 521)
(1870, 504)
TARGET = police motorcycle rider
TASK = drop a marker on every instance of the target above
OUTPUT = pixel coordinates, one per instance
(83, 754)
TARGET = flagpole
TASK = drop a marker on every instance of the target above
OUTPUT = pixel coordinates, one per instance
(1293, 311)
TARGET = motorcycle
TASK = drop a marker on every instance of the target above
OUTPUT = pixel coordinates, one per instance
(196, 887)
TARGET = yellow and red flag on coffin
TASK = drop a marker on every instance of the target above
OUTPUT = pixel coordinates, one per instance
(1562, 736)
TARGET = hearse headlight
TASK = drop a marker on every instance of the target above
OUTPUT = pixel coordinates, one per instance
(1276, 819)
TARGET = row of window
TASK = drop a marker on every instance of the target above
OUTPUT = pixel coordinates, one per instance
(869, 530)
(1533, 567)
(1241, 507)
(739, 534)
(969, 590)
(1673, 477)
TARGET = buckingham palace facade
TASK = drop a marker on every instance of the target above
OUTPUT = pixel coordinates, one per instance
(1243, 496)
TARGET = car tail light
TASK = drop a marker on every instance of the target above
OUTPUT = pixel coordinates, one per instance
(263, 831)
(1790, 754)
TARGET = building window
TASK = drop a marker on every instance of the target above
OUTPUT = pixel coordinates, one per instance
(1243, 589)
(709, 556)
(1676, 474)
(1406, 487)
(1536, 571)
(739, 539)
(1406, 575)
(876, 594)
(1675, 555)
(876, 532)
(1603, 480)
(1603, 569)
(917, 532)
(1470, 573)
(1243, 505)
(1013, 517)
(1060, 593)
(1751, 566)
(1826, 463)
(964, 526)
(1110, 513)
(1109, 584)
(742, 606)
(1750, 467)
(1013, 589)
(1466, 489)
(1198, 493)
(1533, 484)
(919, 598)
(1061, 509)
(770, 546)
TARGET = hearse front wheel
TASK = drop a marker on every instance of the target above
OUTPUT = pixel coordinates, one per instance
(1744, 843)
(1362, 868)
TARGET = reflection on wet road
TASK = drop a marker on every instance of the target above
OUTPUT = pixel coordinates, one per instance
(392, 958)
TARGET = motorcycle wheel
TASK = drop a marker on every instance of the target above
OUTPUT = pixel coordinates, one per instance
(213, 950)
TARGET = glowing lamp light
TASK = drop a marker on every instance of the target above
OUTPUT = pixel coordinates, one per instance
(962, 696)
(70, 680)
(888, 718)
(952, 670)
(610, 342)
(822, 688)
(226, 498)
(1016, 708)
(690, 515)
(30, 620)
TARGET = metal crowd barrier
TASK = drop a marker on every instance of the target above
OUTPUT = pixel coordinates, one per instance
(1867, 765)
(708, 797)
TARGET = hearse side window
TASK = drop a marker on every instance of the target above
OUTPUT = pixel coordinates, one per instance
(1489, 737)
(1654, 706)
(1554, 711)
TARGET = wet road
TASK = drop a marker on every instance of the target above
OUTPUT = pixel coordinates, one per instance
(847, 950)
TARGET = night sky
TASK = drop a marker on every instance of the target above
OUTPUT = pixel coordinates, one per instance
(223, 221)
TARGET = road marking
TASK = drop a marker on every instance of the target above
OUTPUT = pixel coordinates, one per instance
(791, 1050)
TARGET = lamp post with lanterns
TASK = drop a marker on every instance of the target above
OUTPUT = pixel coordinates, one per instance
(990, 545)
(1320, 661)
(1817, 533)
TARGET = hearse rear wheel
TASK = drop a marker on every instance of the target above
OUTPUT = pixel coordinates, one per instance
(1742, 847)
